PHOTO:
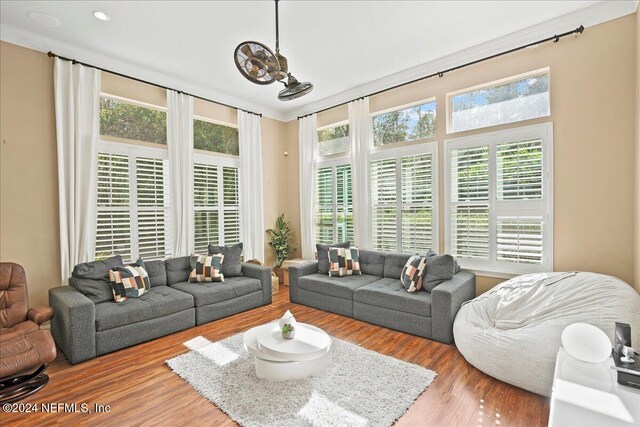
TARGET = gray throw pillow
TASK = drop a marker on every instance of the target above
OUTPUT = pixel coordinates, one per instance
(92, 278)
(232, 262)
(440, 268)
(323, 255)
(456, 270)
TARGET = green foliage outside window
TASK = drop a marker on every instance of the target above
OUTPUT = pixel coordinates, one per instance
(214, 137)
(123, 120)
(410, 124)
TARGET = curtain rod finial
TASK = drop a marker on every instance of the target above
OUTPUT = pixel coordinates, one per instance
(51, 54)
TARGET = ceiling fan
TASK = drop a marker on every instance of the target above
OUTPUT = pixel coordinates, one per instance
(258, 64)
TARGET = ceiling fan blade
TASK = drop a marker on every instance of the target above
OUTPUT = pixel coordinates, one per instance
(246, 50)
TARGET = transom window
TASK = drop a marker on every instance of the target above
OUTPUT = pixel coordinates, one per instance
(405, 125)
(215, 137)
(333, 139)
(130, 120)
(521, 98)
(499, 201)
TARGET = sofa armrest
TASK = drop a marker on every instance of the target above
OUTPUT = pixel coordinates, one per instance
(295, 273)
(74, 323)
(446, 300)
(40, 315)
(263, 274)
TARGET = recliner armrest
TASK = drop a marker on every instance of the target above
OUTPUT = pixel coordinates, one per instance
(40, 315)
(295, 273)
(74, 323)
(263, 274)
(446, 300)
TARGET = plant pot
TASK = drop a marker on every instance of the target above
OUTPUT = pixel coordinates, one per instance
(289, 335)
(279, 271)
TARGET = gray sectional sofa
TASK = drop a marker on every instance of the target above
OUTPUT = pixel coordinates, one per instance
(377, 296)
(88, 323)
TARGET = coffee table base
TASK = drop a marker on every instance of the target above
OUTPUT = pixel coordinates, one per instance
(288, 371)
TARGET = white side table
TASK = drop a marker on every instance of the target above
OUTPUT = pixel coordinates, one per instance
(279, 359)
(588, 394)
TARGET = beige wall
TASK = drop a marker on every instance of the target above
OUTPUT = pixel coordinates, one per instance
(28, 169)
(637, 161)
(593, 112)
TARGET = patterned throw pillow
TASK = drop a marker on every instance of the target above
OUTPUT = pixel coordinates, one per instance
(344, 262)
(206, 268)
(413, 273)
(129, 281)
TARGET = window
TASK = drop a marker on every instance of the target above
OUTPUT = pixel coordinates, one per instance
(403, 204)
(127, 120)
(499, 201)
(334, 206)
(409, 124)
(216, 202)
(133, 202)
(215, 137)
(522, 98)
(333, 140)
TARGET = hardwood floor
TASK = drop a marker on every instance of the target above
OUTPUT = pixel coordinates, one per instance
(141, 390)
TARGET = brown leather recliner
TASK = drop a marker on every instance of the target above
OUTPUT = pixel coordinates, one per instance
(24, 347)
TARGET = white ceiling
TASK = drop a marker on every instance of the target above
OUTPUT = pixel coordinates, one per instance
(343, 47)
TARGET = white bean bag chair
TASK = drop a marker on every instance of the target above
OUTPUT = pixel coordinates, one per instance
(512, 332)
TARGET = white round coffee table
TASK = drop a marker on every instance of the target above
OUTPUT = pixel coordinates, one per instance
(279, 359)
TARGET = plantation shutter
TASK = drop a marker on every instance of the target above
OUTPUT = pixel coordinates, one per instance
(470, 203)
(417, 194)
(383, 200)
(113, 234)
(205, 186)
(519, 238)
(152, 196)
(231, 205)
(324, 203)
(344, 204)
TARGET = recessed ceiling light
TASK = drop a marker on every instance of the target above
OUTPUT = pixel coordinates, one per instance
(43, 18)
(101, 15)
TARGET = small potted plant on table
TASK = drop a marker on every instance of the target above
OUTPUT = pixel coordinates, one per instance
(288, 331)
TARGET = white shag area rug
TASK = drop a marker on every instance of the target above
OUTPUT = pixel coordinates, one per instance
(359, 388)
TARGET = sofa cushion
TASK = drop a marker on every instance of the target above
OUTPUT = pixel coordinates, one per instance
(157, 272)
(393, 265)
(214, 292)
(232, 263)
(92, 278)
(389, 293)
(439, 269)
(341, 287)
(372, 262)
(157, 302)
(178, 269)
(323, 255)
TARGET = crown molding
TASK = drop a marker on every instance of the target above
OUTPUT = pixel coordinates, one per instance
(589, 16)
(42, 43)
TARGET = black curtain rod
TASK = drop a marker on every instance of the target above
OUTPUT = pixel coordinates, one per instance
(555, 39)
(53, 55)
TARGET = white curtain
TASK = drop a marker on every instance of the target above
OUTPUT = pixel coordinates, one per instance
(308, 137)
(77, 103)
(251, 202)
(180, 146)
(360, 133)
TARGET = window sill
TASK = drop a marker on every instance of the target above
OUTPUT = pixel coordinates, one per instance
(493, 274)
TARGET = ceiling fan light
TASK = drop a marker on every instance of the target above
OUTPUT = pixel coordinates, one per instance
(294, 89)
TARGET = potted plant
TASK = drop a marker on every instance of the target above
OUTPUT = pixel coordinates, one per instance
(288, 331)
(282, 244)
